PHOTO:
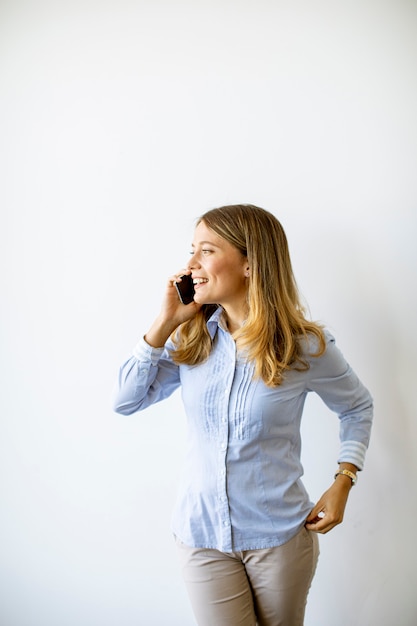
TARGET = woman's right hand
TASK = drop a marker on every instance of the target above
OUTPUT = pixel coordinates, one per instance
(172, 307)
(173, 313)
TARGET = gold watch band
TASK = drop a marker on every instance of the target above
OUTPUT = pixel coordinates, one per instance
(348, 473)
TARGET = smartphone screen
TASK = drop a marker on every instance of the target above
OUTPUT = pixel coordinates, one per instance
(185, 289)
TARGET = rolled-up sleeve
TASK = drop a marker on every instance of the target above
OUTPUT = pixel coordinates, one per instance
(332, 378)
(147, 377)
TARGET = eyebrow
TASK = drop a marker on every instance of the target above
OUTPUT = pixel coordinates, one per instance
(202, 243)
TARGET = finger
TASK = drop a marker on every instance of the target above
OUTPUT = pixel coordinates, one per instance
(182, 272)
(176, 278)
(315, 521)
(316, 513)
(323, 522)
(320, 525)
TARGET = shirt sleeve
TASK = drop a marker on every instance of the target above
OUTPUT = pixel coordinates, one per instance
(332, 378)
(147, 377)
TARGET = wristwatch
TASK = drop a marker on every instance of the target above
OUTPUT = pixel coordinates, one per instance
(346, 472)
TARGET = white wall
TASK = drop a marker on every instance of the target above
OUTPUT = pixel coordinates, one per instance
(121, 122)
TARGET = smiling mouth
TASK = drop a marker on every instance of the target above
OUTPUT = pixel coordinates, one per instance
(199, 281)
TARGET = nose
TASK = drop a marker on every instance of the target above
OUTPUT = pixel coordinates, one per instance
(193, 262)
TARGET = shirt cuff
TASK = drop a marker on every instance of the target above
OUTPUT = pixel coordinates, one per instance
(144, 352)
(353, 452)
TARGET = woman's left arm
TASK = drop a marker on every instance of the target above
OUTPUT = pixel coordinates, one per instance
(332, 378)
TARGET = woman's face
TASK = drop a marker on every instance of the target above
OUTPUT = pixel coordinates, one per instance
(219, 270)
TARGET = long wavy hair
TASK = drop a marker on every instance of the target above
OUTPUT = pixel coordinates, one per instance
(276, 320)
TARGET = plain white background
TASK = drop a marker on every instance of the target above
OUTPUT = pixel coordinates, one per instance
(121, 122)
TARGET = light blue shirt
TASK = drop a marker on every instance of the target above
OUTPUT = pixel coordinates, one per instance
(241, 487)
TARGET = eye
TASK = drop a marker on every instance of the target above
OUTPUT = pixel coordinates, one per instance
(206, 251)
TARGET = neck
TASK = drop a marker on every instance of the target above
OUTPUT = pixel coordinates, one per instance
(234, 320)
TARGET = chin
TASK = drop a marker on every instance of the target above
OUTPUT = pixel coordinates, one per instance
(199, 299)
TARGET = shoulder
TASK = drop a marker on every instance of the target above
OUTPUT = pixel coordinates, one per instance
(310, 343)
(329, 363)
(322, 358)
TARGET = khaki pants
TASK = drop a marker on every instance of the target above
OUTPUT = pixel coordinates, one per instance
(255, 587)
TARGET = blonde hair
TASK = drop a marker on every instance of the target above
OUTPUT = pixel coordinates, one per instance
(276, 318)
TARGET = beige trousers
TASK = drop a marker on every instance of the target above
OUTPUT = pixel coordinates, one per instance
(255, 587)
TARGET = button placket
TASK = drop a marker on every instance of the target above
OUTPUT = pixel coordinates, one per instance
(222, 496)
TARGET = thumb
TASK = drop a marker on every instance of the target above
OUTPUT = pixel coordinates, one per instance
(316, 514)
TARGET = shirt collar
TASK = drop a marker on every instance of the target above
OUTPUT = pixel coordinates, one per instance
(215, 321)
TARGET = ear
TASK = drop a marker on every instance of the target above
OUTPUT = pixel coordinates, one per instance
(247, 272)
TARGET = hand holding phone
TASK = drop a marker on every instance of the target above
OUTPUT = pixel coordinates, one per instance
(185, 289)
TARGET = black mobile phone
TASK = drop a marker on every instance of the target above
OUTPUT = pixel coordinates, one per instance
(185, 289)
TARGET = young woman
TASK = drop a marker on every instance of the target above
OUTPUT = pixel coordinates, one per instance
(246, 356)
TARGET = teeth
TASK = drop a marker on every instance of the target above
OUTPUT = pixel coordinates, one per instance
(197, 281)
